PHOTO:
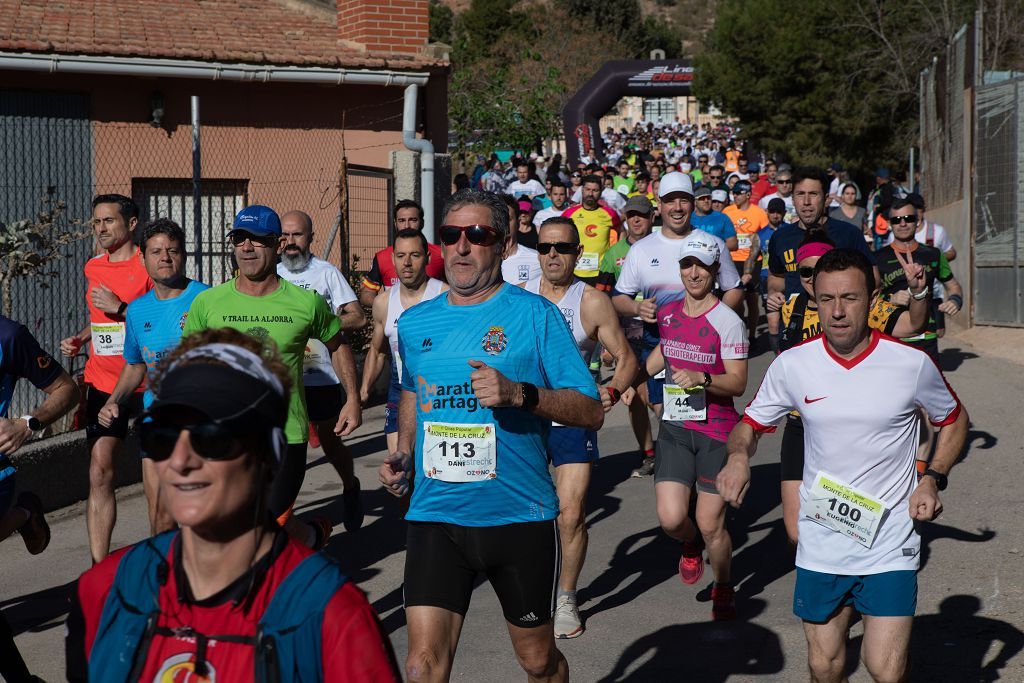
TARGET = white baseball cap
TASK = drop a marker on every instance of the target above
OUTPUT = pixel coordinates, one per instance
(720, 196)
(702, 248)
(675, 182)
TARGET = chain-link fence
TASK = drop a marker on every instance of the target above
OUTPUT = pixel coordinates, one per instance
(999, 203)
(942, 121)
(52, 150)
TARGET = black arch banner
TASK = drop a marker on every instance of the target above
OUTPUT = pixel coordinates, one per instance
(644, 77)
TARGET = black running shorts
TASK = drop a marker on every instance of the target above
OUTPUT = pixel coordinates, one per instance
(688, 457)
(522, 561)
(94, 402)
(324, 403)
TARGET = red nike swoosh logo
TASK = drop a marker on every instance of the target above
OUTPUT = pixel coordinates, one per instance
(813, 400)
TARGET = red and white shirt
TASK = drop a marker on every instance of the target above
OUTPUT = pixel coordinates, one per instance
(860, 425)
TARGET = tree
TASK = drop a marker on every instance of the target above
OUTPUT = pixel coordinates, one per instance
(625, 21)
(29, 246)
(441, 20)
(829, 81)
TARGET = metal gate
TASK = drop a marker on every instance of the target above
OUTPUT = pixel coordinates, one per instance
(999, 204)
(371, 196)
(46, 155)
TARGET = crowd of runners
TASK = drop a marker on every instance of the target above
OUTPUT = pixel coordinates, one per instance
(554, 294)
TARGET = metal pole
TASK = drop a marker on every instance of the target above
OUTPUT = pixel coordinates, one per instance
(910, 178)
(197, 203)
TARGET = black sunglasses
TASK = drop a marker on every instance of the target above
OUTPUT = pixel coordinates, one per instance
(480, 235)
(806, 272)
(783, 181)
(238, 238)
(210, 440)
(561, 247)
(909, 220)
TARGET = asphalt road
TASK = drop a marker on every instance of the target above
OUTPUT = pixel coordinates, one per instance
(643, 624)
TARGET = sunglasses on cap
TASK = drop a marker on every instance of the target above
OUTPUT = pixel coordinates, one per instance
(210, 440)
(545, 248)
(480, 235)
(239, 237)
(909, 220)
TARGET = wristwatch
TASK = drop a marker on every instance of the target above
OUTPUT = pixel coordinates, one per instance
(33, 423)
(941, 480)
(707, 379)
(531, 397)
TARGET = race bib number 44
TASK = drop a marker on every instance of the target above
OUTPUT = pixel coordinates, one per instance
(689, 405)
(108, 339)
(459, 453)
(844, 509)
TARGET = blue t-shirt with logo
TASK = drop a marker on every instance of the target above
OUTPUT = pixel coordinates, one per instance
(716, 223)
(153, 327)
(526, 338)
(783, 246)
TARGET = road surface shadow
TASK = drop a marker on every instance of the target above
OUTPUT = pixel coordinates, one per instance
(952, 359)
(709, 652)
(954, 644)
(607, 473)
(39, 611)
(641, 561)
(929, 531)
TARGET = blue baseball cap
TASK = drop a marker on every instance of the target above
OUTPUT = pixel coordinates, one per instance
(258, 220)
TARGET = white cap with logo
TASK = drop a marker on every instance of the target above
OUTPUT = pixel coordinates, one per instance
(702, 248)
(720, 196)
(675, 182)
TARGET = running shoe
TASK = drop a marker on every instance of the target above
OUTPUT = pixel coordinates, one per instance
(353, 504)
(691, 564)
(723, 602)
(567, 618)
(646, 469)
(323, 528)
(35, 532)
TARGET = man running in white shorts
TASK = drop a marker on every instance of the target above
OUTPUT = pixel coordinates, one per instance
(857, 546)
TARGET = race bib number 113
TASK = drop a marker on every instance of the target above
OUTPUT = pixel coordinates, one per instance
(459, 453)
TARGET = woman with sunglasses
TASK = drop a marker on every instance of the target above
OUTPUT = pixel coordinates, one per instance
(800, 322)
(228, 596)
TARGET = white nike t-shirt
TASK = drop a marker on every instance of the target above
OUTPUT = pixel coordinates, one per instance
(860, 426)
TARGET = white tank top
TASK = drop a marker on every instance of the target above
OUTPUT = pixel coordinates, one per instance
(395, 309)
(570, 307)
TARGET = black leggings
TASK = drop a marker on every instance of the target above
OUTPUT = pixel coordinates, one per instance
(288, 479)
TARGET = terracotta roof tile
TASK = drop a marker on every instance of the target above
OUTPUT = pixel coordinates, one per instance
(247, 31)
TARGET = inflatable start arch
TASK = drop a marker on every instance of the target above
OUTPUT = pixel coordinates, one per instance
(643, 77)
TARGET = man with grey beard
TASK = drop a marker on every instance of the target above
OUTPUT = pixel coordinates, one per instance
(326, 393)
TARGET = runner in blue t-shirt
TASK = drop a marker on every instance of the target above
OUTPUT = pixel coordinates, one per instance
(487, 368)
(22, 357)
(713, 222)
(153, 325)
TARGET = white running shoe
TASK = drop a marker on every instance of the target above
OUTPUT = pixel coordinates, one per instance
(567, 618)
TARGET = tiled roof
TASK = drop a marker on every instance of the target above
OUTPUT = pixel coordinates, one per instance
(281, 32)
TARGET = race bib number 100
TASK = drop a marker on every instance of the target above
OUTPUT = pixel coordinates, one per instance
(108, 339)
(689, 405)
(459, 453)
(844, 509)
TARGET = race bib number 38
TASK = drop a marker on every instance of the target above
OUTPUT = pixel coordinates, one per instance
(108, 339)
(844, 509)
(689, 405)
(459, 453)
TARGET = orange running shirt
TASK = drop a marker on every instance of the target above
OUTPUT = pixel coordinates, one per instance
(732, 161)
(128, 281)
(747, 222)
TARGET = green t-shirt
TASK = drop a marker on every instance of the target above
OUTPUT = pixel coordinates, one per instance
(613, 259)
(289, 316)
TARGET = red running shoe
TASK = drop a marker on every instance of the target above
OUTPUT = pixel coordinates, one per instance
(691, 564)
(723, 602)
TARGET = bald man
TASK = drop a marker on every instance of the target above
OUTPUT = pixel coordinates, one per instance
(329, 398)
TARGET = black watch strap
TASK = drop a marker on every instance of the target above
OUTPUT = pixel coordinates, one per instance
(707, 379)
(531, 397)
(941, 480)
